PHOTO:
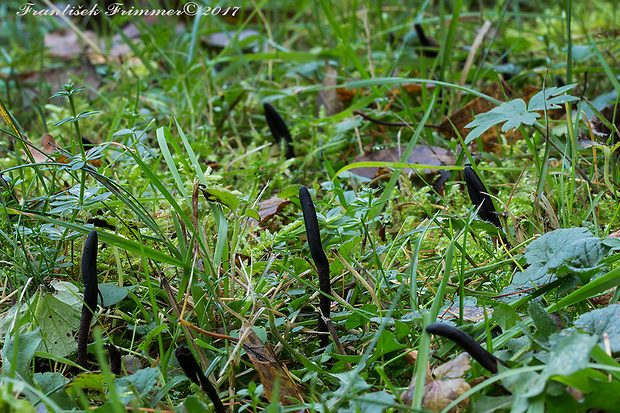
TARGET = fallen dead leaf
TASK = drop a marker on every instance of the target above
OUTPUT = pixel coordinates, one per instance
(65, 43)
(471, 313)
(598, 127)
(328, 95)
(465, 115)
(443, 384)
(38, 153)
(55, 77)
(268, 208)
(269, 369)
(346, 95)
(48, 146)
(424, 155)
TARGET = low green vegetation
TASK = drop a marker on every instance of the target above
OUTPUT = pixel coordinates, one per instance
(183, 141)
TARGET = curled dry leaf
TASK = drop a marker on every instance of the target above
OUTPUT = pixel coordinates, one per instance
(443, 385)
(47, 146)
(268, 208)
(269, 369)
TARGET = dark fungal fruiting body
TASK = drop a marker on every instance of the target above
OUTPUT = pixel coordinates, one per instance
(91, 290)
(192, 370)
(464, 340)
(319, 258)
(479, 195)
(429, 44)
(116, 360)
(279, 130)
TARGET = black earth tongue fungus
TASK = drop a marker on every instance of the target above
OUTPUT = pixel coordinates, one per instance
(116, 360)
(192, 370)
(464, 340)
(479, 195)
(91, 290)
(279, 130)
(319, 258)
(426, 42)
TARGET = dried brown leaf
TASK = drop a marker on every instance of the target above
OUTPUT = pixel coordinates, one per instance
(328, 96)
(269, 369)
(424, 155)
(270, 207)
(453, 368)
(443, 385)
(598, 127)
(47, 146)
(439, 394)
(65, 43)
(465, 115)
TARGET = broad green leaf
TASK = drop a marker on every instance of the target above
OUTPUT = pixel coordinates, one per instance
(222, 196)
(58, 315)
(387, 343)
(605, 397)
(372, 402)
(522, 386)
(53, 385)
(112, 293)
(193, 404)
(26, 346)
(560, 253)
(570, 353)
(505, 316)
(143, 381)
(251, 213)
(600, 321)
(88, 382)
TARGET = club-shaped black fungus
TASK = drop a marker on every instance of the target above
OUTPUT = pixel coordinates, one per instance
(91, 290)
(192, 370)
(279, 130)
(318, 256)
(464, 340)
(116, 360)
(426, 42)
(479, 195)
